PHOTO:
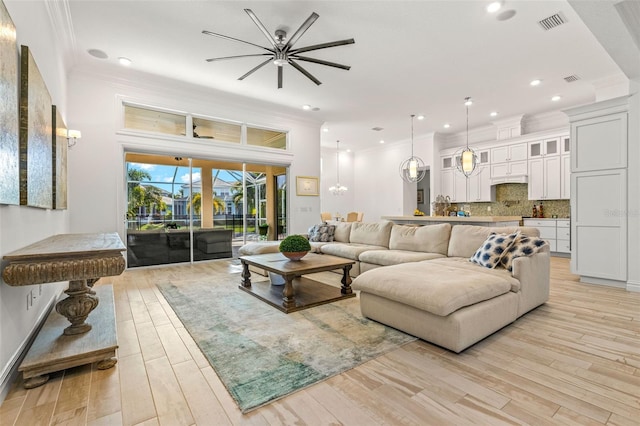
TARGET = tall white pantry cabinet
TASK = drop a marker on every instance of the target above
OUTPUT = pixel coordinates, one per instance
(599, 138)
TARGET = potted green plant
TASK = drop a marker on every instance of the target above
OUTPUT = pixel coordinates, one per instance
(295, 247)
(263, 229)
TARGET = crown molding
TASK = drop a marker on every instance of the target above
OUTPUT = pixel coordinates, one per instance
(60, 17)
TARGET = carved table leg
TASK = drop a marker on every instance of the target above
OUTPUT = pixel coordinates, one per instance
(90, 283)
(246, 275)
(77, 307)
(288, 299)
(106, 363)
(34, 382)
(346, 280)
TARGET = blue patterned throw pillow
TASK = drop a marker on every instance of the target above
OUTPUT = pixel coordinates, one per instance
(493, 248)
(323, 233)
(522, 246)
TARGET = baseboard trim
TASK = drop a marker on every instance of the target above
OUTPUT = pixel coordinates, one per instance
(633, 286)
(10, 372)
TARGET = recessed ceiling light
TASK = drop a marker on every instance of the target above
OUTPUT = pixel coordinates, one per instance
(124, 61)
(493, 113)
(306, 107)
(381, 141)
(494, 6)
(348, 150)
(97, 53)
(535, 82)
(447, 125)
(555, 98)
(420, 117)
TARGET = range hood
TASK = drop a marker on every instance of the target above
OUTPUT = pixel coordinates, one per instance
(509, 179)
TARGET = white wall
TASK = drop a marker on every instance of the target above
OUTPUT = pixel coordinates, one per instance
(96, 174)
(21, 226)
(633, 200)
(379, 189)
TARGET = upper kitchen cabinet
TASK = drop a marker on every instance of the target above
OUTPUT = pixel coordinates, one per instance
(544, 147)
(507, 153)
(599, 143)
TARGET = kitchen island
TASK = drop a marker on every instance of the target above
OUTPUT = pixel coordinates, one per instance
(456, 220)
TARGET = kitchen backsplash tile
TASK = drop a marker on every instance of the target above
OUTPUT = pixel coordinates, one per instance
(511, 200)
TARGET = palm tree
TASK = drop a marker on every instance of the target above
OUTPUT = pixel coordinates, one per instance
(196, 202)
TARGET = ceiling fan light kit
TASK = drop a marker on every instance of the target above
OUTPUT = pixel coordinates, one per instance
(281, 51)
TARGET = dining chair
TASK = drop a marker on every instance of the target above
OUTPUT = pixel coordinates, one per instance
(325, 216)
(352, 217)
(360, 216)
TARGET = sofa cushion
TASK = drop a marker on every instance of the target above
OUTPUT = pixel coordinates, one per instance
(348, 251)
(394, 257)
(493, 249)
(371, 233)
(428, 239)
(322, 233)
(342, 231)
(435, 286)
(522, 246)
(465, 239)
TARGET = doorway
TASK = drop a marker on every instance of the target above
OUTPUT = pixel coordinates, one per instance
(188, 209)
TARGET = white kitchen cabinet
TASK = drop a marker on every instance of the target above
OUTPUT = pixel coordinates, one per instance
(563, 236)
(565, 172)
(508, 153)
(544, 148)
(479, 185)
(446, 182)
(514, 171)
(454, 184)
(557, 232)
(545, 178)
(565, 145)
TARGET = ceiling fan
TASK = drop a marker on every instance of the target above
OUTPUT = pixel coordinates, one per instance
(281, 51)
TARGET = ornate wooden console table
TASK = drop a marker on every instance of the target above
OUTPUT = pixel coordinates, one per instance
(81, 259)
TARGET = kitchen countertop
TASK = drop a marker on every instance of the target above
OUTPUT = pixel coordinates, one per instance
(460, 219)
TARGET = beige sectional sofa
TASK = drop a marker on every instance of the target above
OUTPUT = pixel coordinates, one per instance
(420, 280)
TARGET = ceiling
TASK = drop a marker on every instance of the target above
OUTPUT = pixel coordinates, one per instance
(409, 57)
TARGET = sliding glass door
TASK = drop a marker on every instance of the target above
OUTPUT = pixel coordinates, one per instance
(186, 209)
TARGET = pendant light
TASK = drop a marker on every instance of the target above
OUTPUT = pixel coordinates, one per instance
(466, 159)
(338, 189)
(412, 169)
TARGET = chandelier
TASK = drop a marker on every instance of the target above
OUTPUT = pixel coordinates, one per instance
(466, 159)
(338, 189)
(412, 169)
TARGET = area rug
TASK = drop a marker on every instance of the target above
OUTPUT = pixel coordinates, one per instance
(262, 354)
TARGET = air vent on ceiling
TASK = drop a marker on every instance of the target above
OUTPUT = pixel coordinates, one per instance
(552, 21)
(377, 129)
(571, 78)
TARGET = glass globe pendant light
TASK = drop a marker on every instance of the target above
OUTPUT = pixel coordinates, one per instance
(466, 159)
(412, 169)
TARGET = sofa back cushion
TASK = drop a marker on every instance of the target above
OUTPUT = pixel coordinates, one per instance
(341, 232)
(373, 233)
(466, 239)
(427, 239)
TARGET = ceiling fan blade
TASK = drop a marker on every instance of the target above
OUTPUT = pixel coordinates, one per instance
(321, 62)
(254, 69)
(279, 77)
(237, 56)
(300, 31)
(262, 28)
(305, 72)
(323, 46)
(235, 39)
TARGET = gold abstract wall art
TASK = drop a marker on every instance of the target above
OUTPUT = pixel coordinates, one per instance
(9, 142)
(36, 130)
(59, 162)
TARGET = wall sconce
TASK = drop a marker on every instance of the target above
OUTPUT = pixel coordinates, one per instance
(72, 137)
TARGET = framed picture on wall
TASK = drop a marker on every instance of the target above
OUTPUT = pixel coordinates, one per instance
(307, 185)
(421, 196)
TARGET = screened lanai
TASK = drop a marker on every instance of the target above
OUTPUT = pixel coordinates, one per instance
(187, 209)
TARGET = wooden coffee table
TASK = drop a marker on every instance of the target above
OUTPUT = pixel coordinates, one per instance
(298, 292)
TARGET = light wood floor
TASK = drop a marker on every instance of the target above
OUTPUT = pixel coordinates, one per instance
(575, 360)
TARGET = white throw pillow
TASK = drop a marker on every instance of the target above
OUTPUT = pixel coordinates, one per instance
(493, 249)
